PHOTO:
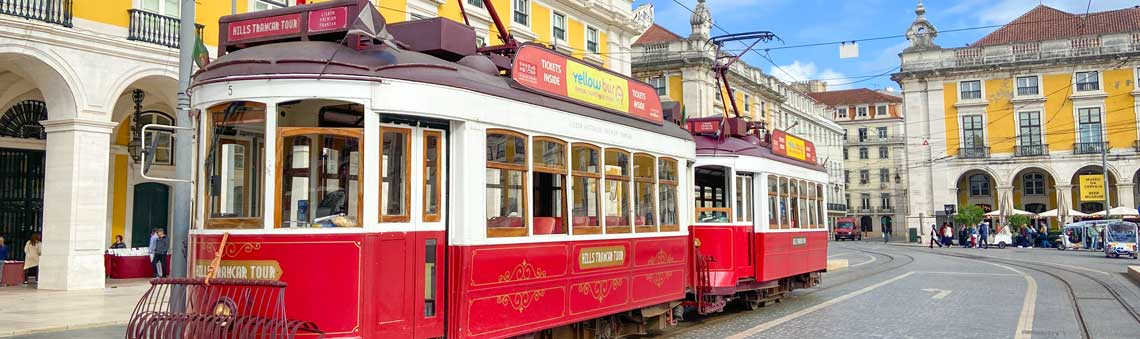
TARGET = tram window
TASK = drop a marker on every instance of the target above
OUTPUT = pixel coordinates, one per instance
(585, 166)
(795, 203)
(320, 177)
(743, 198)
(773, 204)
(710, 183)
(234, 165)
(506, 184)
(429, 277)
(819, 206)
(785, 223)
(809, 204)
(320, 113)
(549, 186)
(667, 174)
(645, 197)
(395, 186)
(617, 191)
(433, 155)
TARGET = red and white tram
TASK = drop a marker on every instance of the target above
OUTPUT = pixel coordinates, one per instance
(430, 190)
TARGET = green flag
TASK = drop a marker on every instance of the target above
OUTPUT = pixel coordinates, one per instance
(201, 54)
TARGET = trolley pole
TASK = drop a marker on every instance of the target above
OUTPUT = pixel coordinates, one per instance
(184, 140)
(1104, 170)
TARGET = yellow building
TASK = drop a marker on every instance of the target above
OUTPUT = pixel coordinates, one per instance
(74, 72)
(1017, 117)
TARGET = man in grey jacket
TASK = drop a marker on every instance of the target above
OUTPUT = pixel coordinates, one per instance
(161, 247)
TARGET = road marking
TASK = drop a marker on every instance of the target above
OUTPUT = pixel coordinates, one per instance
(768, 325)
(1025, 320)
(940, 295)
(840, 254)
(970, 273)
(865, 262)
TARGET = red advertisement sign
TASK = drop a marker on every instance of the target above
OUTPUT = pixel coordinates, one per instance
(793, 147)
(263, 27)
(543, 70)
(328, 19)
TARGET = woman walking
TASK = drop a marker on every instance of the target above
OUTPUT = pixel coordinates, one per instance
(32, 251)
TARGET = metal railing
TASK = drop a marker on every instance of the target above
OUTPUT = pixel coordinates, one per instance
(836, 207)
(974, 152)
(155, 28)
(887, 209)
(1031, 150)
(51, 11)
(1089, 147)
(1101, 45)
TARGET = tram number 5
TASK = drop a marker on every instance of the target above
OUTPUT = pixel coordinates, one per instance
(230, 90)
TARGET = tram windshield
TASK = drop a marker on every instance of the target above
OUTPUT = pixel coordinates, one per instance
(234, 165)
(711, 193)
(1122, 232)
(845, 224)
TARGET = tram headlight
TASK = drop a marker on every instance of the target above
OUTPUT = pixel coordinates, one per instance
(224, 307)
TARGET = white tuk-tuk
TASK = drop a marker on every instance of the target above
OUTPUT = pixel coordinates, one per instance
(1120, 239)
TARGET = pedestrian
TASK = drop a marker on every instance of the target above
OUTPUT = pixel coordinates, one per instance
(150, 246)
(1033, 242)
(32, 252)
(1043, 237)
(3, 257)
(161, 246)
(935, 238)
(886, 233)
(973, 237)
(984, 235)
(947, 235)
(1023, 237)
(962, 235)
(118, 242)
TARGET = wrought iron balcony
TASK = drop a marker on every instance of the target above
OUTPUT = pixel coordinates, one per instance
(974, 152)
(866, 210)
(51, 11)
(837, 207)
(1089, 147)
(155, 28)
(1031, 150)
(886, 210)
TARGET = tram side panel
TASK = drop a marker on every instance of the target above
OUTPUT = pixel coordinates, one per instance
(726, 255)
(509, 290)
(785, 254)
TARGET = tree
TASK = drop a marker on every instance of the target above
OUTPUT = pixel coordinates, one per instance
(969, 215)
(1017, 221)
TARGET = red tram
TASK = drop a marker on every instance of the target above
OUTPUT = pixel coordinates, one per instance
(429, 190)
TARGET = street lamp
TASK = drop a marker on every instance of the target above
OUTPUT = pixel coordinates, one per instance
(134, 147)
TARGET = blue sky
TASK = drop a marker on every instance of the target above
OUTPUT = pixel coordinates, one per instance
(813, 21)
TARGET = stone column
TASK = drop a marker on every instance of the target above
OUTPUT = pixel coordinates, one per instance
(1125, 195)
(75, 204)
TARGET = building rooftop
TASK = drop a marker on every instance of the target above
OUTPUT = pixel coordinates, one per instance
(853, 96)
(1047, 23)
(656, 34)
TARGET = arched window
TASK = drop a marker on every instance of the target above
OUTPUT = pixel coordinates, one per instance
(979, 185)
(22, 120)
(1033, 184)
(163, 140)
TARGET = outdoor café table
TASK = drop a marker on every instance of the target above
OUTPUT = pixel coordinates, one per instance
(13, 273)
(129, 266)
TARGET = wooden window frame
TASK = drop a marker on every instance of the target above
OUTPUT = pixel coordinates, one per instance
(652, 181)
(628, 179)
(407, 216)
(257, 222)
(775, 216)
(234, 222)
(349, 132)
(564, 171)
(676, 196)
(600, 181)
(438, 194)
(501, 232)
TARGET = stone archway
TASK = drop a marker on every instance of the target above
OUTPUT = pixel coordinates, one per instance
(1093, 205)
(979, 188)
(1034, 190)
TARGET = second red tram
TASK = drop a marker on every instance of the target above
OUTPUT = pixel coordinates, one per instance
(422, 191)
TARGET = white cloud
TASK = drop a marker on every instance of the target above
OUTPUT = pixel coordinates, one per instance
(799, 71)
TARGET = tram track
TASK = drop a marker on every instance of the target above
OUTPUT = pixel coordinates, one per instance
(720, 318)
(1078, 309)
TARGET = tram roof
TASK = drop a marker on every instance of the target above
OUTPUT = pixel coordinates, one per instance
(745, 146)
(330, 60)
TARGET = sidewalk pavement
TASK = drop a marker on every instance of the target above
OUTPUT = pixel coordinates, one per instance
(27, 311)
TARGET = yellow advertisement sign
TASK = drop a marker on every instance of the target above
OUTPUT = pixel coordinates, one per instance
(1092, 187)
(598, 257)
(597, 87)
(242, 269)
(796, 148)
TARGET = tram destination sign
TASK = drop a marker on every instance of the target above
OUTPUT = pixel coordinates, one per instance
(545, 71)
(791, 146)
(324, 21)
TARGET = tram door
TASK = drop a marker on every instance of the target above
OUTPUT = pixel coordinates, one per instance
(417, 206)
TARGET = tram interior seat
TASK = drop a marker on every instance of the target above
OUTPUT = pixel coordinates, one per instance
(616, 221)
(544, 225)
(585, 221)
(505, 222)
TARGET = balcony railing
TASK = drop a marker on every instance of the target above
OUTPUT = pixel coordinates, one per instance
(1089, 147)
(887, 210)
(52, 11)
(974, 152)
(836, 207)
(866, 210)
(1031, 150)
(155, 28)
(1084, 46)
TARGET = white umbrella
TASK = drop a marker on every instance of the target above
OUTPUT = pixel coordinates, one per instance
(1056, 213)
(1120, 211)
